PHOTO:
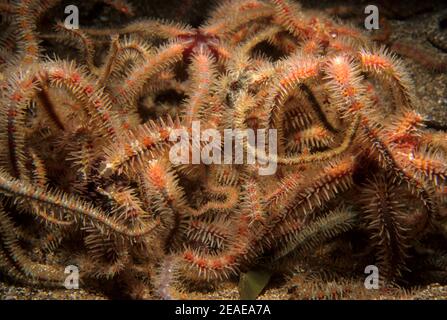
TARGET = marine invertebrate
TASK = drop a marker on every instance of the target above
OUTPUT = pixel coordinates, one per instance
(86, 148)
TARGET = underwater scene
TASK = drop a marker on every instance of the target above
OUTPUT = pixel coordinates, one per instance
(225, 149)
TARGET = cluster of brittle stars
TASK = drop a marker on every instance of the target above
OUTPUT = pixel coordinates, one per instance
(85, 172)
